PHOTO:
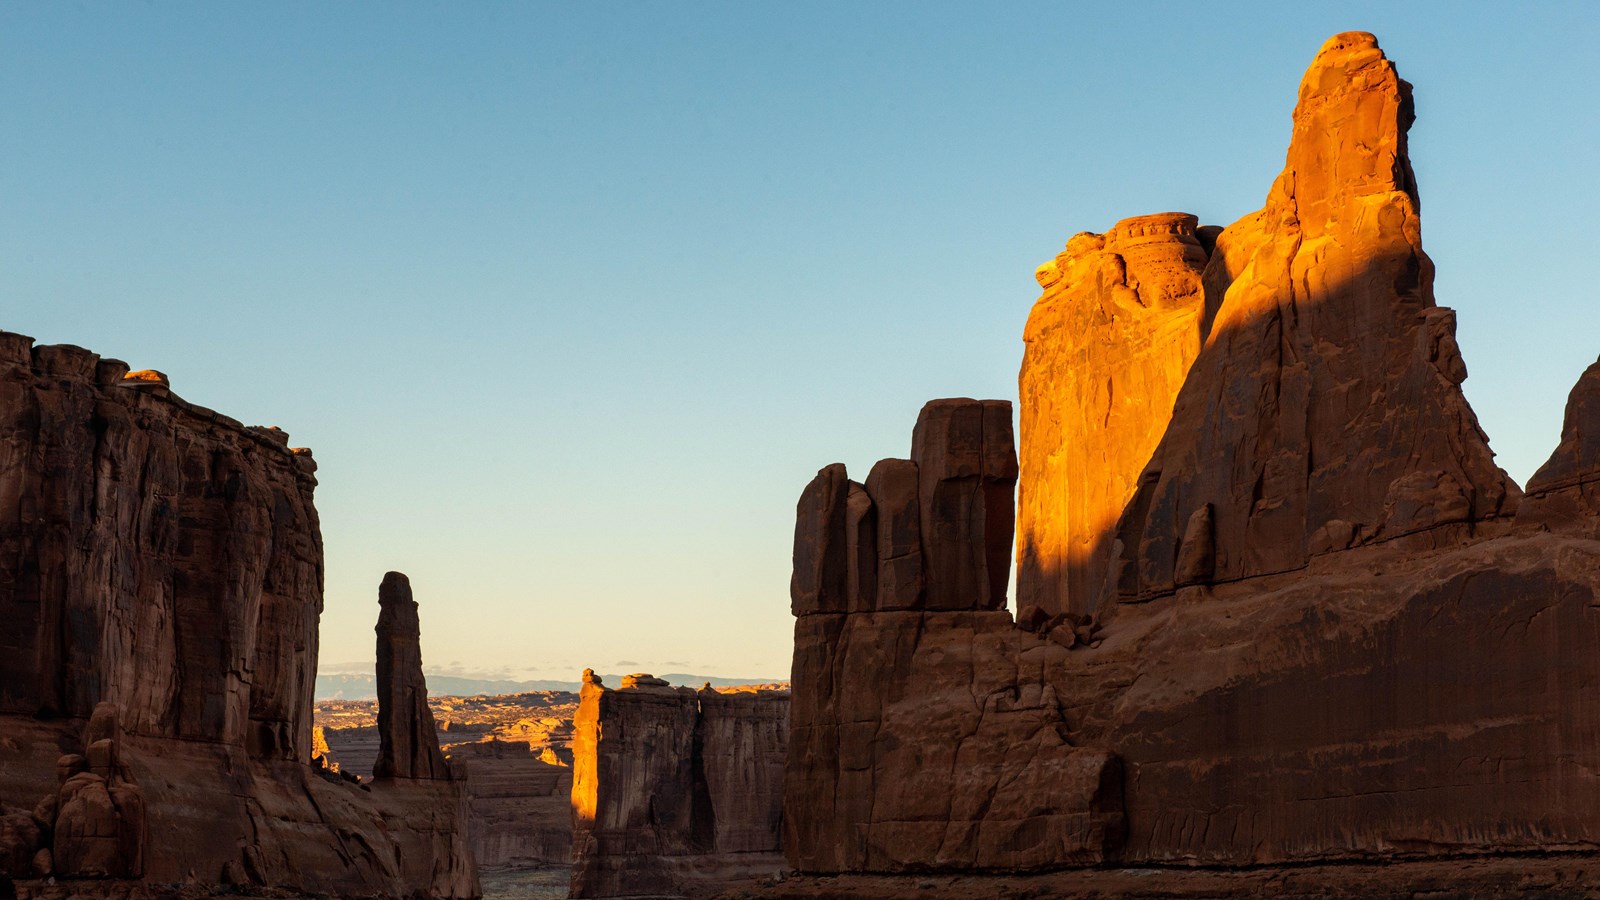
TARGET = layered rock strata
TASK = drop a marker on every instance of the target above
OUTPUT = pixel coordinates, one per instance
(674, 790)
(160, 590)
(1351, 643)
(521, 808)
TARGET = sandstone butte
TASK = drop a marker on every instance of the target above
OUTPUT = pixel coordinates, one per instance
(675, 791)
(1278, 607)
(160, 591)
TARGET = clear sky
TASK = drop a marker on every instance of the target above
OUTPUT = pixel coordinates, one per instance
(571, 300)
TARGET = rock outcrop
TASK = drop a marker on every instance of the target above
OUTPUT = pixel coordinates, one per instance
(160, 591)
(1345, 636)
(408, 740)
(674, 790)
(1108, 345)
(1565, 492)
(1325, 410)
(917, 740)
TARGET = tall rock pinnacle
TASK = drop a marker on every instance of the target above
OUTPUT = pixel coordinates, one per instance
(408, 743)
(1325, 409)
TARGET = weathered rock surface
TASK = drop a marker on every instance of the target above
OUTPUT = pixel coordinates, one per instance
(930, 532)
(1354, 647)
(1109, 344)
(1325, 410)
(162, 559)
(408, 742)
(674, 790)
(521, 808)
(917, 738)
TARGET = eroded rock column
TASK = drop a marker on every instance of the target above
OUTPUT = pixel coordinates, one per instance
(1325, 410)
(408, 740)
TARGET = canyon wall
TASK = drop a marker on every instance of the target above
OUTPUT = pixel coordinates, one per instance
(521, 809)
(675, 790)
(160, 591)
(1327, 628)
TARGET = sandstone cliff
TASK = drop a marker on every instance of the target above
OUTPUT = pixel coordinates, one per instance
(1340, 636)
(1108, 346)
(674, 790)
(160, 590)
(1325, 411)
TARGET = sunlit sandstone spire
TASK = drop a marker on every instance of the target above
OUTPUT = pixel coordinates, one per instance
(1108, 346)
(1299, 427)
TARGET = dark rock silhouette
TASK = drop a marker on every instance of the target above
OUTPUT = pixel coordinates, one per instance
(408, 740)
(160, 590)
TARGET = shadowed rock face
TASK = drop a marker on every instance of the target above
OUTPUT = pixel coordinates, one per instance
(974, 770)
(160, 590)
(408, 741)
(1351, 642)
(674, 790)
(1565, 493)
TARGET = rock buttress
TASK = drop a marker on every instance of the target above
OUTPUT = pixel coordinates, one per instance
(916, 741)
(1109, 344)
(1565, 492)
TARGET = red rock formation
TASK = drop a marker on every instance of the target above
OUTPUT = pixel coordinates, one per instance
(674, 789)
(916, 742)
(1108, 346)
(1565, 492)
(162, 561)
(521, 807)
(1357, 647)
(1325, 410)
(408, 740)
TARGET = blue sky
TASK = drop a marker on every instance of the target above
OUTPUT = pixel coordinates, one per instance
(572, 299)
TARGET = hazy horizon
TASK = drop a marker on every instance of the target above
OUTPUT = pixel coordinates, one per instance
(571, 301)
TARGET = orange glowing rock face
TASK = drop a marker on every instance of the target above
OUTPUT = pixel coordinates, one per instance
(1108, 346)
(1325, 409)
(148, 376)
(1284, 444)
